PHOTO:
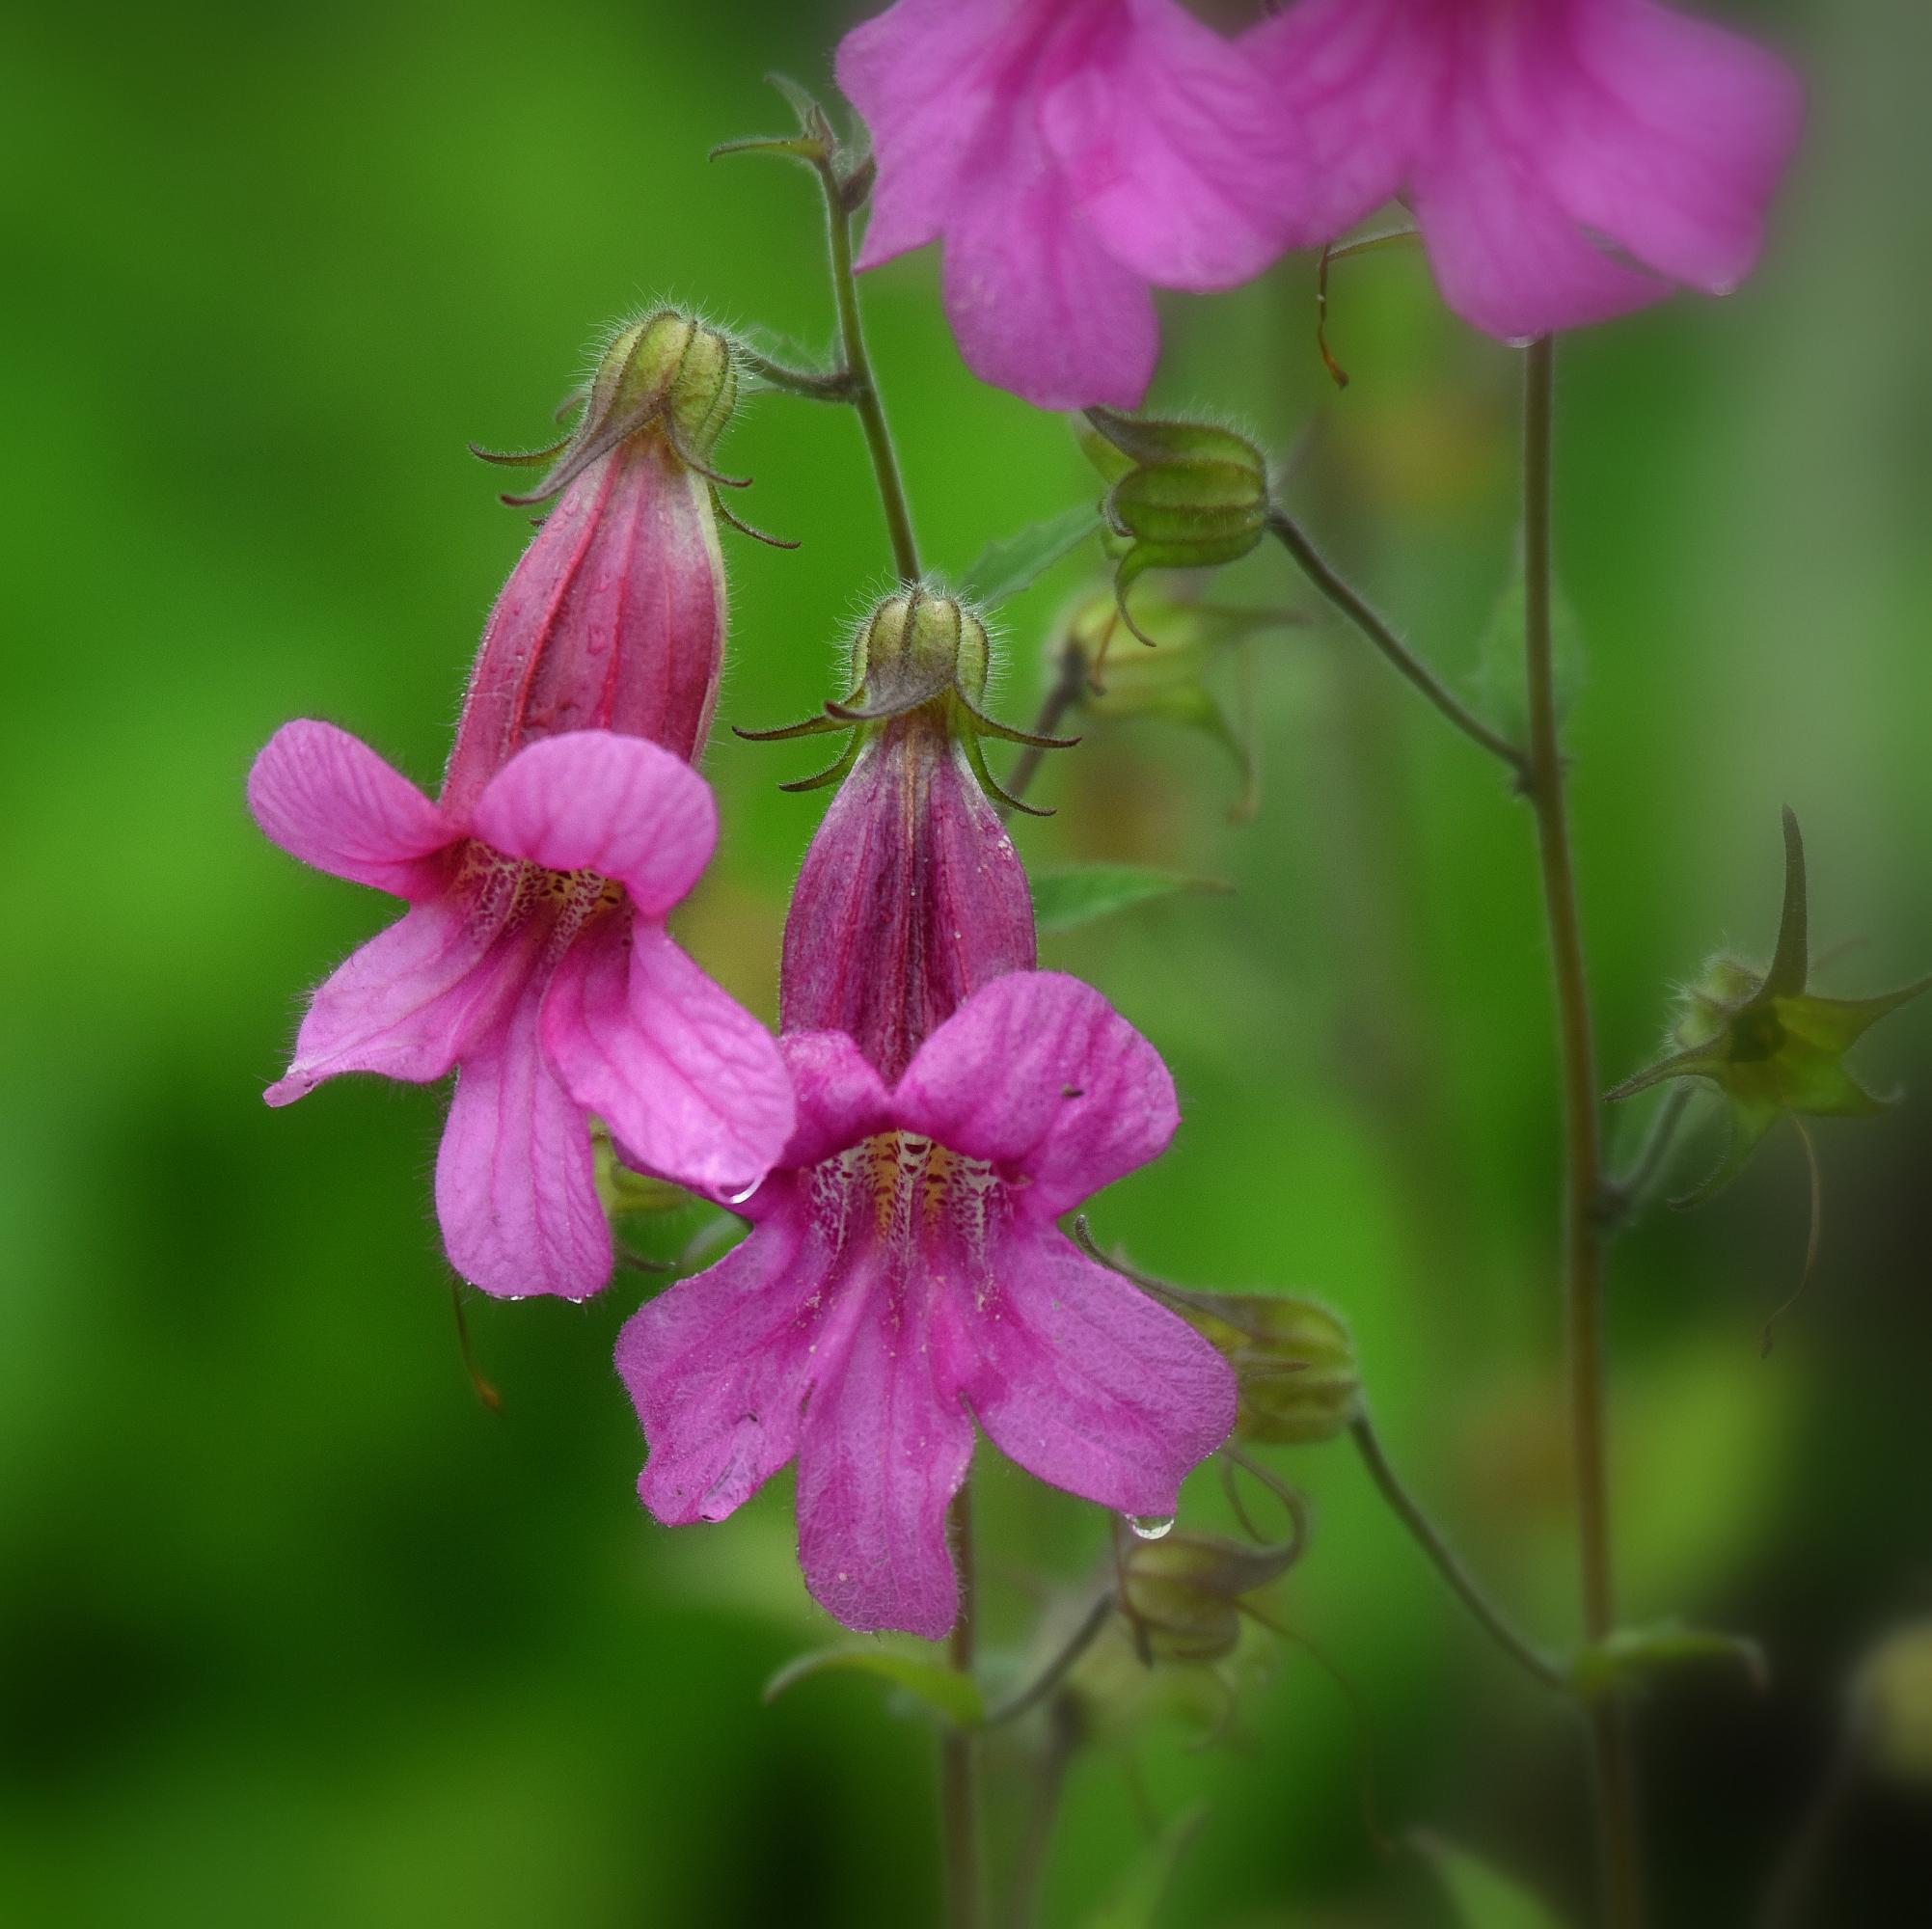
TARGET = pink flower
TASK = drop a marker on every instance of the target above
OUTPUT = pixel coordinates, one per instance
(533, 957)
(1527, 134)
(1070, 152)
(904, 1277)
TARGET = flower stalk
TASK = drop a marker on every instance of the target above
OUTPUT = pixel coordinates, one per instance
(1583, 1145)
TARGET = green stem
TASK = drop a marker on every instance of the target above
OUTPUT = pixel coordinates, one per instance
(1447, 1564)
(857, 374)
(1070, 679)
(959, 1750)
(816, 385)
(1622, 1195)
(1583, 1147)
(1346, 599)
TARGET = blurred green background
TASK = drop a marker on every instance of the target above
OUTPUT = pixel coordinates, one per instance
(293, 1629)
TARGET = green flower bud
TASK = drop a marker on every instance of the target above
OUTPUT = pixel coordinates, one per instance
(1184, 1596)
(1192, 496)
(1766, 1045)
(1293, 1359)
(920, 654)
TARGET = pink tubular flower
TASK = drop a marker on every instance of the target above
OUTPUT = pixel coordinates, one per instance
(1069, 153)
(1526, 134)
(888, 933)
(614, 616)
(905, 1276)
(534, 956)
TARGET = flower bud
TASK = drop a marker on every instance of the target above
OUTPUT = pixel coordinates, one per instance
(1184, 1595)
(614, 617)
(1893, 1701)
(1193, 495)
(911, 895)
(1294, 1361)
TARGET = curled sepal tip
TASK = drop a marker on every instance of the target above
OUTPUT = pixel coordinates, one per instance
(1767, 1044)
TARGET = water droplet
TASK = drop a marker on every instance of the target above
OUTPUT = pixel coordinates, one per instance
(516, 1298)
(1151, 1526)
(1520, 340)
(739, 1198)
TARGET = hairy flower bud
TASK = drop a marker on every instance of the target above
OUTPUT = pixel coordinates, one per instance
(1190, 496)
(1185, 1595)
(912, 896)
(614, 616)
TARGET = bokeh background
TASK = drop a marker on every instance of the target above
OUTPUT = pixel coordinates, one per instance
(293, 1629)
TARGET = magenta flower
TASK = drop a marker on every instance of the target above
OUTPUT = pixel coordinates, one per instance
(1069, 153)
(905, 1276)
(1567, 160)
(533, 957)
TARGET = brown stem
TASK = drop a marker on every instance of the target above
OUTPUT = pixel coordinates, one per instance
(1068, 681)
(1583, 1148)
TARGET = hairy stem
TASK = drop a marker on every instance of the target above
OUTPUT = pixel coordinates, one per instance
(1346, 599)
(856, 373)
(959, 1751)
(1582, 1149)
(1495, 1623)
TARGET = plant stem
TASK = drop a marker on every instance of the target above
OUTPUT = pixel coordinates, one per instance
(1340, 593)
(1063, 1738)
(816, 385)
(1583, 1147)
(1447, 1564)
(856, 373)
(959, 1751)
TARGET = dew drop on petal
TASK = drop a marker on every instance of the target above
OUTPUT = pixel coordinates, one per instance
(739, 1198)
(1151, 1526)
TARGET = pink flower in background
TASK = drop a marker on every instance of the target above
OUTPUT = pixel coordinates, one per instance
(1069, 154)
(533, 957)
(1528, 134)
(904, 1277)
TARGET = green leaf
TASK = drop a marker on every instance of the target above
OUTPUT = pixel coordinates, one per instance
(948, 1693)
(1006, 567)
(1065, 900)
(1483, 1899)
(1632, 1653)
(1499, 666)
(1134, 1900)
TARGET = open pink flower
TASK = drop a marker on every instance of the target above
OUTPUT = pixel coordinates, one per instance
(905, 1276)
(533, 957)
(1528, 134)
(1071, 153)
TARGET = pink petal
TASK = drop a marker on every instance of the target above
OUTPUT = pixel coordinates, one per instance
(1037, 304)
(718, 1368)
(326, 798)
(690, 1083)
(883, 1448)
(1669, 134)
(1361, 80)
(924, 78)
(1174, 146)
(613, 620)
(1507, 257)
(1040, 1074)
(408, 1003)
(515, 1188)
(1090, 1384)
(591, 800)
(889, 933)
(841, 1099)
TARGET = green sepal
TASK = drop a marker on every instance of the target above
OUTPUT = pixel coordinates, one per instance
(952, 1695)
(1766, 1045)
